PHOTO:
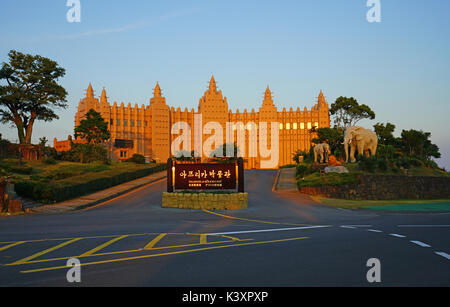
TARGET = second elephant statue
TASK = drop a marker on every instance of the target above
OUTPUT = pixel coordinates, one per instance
(322, 151)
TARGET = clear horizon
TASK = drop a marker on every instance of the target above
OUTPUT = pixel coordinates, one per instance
(399, 67)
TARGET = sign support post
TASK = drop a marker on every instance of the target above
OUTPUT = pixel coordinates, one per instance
(240, 163)
(169, 175)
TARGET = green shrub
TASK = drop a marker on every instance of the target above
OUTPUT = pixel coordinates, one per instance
(330, 179)
(88, 153)
(299, 153)
(403, 163)
(50, 161)
(136, 158)
(368, 164)
(305, 170)
(416, 162)
(339, 152)
(23, 170)
(431, 164)
(301, 170)
(387, 151)
(61, 175)
(383, 165)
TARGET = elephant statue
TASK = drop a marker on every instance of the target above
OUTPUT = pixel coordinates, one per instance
(362, 139)
(322, 151)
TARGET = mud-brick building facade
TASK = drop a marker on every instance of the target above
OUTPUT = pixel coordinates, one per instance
(146, 130)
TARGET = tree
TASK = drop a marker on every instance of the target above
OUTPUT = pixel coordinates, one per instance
(29, 92)
(385, 133)
(137, 158)
(417, 143)
(93, 129)
(347, 112)
(183, 155)
(43, 142)
(88, 153)
(221, 151)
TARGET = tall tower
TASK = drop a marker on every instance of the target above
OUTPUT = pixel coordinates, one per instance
(268, 113)
(87, 103)
(160, 126)
(323, 108)
(214, 108)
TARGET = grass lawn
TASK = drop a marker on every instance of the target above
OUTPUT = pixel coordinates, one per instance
(387, 205)
(423, 171)
(63, 170)
(331, 179)
(49, 183)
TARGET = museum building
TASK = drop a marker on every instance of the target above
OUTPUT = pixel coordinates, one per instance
(146, 130)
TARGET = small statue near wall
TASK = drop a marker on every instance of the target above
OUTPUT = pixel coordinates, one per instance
(322, 151)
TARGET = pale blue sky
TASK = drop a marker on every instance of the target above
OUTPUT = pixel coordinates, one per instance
(399, 67)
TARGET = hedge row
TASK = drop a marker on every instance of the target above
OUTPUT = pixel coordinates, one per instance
(51, 193)
(24, 170)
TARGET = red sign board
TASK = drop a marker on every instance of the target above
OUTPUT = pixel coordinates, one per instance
(205, 176)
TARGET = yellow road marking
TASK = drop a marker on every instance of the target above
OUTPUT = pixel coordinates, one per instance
(164, 254)
(154, 241)
(94, 237)
(250, 220)
(232, 238)
(197, 244)
(100, 237)
(203, 239)
(11, 245)
(24, 260)
(130, 251)
(100, 247)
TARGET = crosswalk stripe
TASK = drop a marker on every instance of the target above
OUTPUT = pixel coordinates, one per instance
(102, 246)
(154, 241)
(445, 255)
(420, 243)
(24, 260)
(166, 254)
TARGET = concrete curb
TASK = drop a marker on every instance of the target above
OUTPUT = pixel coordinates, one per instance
(275, 183)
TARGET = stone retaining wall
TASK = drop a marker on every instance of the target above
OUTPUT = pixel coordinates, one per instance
(208, 201)
(386, 187)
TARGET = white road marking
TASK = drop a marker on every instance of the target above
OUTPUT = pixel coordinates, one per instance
(349, 227)
(266, 230)
(445, 255)
(355, 226)
(397, 235)
(438, 226)
(374, 230)
(420, 243)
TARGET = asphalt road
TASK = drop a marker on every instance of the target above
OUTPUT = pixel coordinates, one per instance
(283, 239)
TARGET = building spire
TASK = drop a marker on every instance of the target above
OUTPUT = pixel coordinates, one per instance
(212, 85)
(321, 98)
(268, 93)
(90, 91)
(268, 101)
(103, 98)
(157, 90)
